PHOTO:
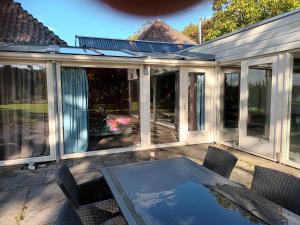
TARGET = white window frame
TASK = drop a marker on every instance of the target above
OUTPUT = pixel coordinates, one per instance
(206, 135)
(287, 62)
(221, 71)
(273, 137)
(51, 115)
(142, 95)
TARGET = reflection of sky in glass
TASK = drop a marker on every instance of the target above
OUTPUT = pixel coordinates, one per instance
(28, 67)
(232, 79)
(256, 77)
(188, 204)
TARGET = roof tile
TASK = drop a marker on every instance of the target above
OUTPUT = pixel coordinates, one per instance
(18, 26)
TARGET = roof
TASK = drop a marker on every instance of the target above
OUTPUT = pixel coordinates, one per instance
(73, 50)
(160, 31)
(129, 45)
(274, 18)
(18, 26)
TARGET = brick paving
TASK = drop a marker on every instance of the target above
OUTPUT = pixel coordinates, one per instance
(32, 197)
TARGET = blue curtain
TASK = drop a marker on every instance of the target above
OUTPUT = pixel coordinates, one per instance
(75, 109)
(200, 102)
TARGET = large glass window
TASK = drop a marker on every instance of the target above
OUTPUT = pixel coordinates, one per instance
(196, 104)
(259, 100)
(230, 99)
(294, 154)
(100, 108)
(164, 104)
(24, 127)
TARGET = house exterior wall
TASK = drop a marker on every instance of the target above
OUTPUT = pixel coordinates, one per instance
(55, 62)
(281, 33)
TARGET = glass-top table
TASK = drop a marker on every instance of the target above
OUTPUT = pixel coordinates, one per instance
(178, 191)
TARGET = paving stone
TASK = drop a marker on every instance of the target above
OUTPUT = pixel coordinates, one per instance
(11, 205)
(34, 195)
(42, 205)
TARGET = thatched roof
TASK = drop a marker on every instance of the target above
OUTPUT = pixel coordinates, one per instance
(160, 31)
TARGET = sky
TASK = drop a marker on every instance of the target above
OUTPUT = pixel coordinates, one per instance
(68, 18)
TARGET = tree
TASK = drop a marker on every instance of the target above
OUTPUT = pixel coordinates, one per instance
(230, 15)
(192, 29)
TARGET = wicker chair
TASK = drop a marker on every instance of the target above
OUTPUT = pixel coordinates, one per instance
(89, 192)
(278, 187)
(69, 216)
(219, 161)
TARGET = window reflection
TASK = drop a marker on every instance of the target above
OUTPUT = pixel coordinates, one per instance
(196, 118)
(164, 104)
(24, 128)
(229, 107)
(259, 100)
(294, 153)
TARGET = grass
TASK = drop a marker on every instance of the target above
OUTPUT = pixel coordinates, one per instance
(29, 107)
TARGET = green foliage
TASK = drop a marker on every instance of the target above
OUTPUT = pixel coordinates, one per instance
(191, 31)
(230, 15)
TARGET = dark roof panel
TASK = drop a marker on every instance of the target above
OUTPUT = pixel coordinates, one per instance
(108, 44)
(135, 46)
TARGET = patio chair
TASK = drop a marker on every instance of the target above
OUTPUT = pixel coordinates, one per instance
(86, 193)
(278, 187)
(219, 161)
(69, 216)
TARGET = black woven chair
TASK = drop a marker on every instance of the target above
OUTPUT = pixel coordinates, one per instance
(89, 192)
(278, 187)
(69, 216)
(219, 161)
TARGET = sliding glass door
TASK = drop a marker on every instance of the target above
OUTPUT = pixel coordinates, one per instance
(100, 108)
(257, 106)
(164, 90)
(24, 119)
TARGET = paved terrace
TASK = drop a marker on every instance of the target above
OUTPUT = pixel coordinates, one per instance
(32, 197)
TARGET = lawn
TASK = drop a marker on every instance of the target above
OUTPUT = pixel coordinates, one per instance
(29, 107)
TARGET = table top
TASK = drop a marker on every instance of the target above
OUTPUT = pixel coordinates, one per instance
(179, 191)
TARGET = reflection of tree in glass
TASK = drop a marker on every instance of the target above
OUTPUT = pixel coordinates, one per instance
(229, 205)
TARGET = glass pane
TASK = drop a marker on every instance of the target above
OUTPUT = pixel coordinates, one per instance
(231, 100)
(24, 128)
(294, 153)
(259, 101)
(196, 117)
(100, 108)
(164, 104)
(230, 107)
